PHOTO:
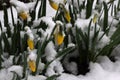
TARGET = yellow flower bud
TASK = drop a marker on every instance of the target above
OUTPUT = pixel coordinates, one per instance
(59, 38)
(23, 15)
(30, 43)
(67, 15)
(95, 18)
(32, 65)
(53, 5)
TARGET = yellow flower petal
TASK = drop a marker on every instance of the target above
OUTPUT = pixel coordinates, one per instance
(53, 4)
(67, 16)
(23, 15)
(32, 65)
(95, 18)
(59, 38)
(30, 44)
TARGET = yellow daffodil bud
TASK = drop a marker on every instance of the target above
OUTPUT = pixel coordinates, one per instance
(59, 38)
(32, 59)
(53, 5)
(67, 16)
(32, 65)
(58, 33)
(66, 13)
(95, 18)
(23, 15)
(30, 40)
(30, 43)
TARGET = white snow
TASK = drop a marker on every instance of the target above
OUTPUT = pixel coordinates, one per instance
(37, 77)
(32, 54)
(50, 52)
(49, 22)
(17, 69)
(6, 74)
(8, 62)
(104, 69)
(55, 68)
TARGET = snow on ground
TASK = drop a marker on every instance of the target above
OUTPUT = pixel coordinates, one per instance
(104, 69)
(38, 77)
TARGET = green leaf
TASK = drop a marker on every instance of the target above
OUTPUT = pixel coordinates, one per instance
(42, 25)
(52, 77)
(105, 22)
(25, 64)
(6, 21)
(6, 42)
(42, 9)
(1, 51)
(116, 33)
(89, 8)
(33, 13)
(16, 76)
(12, 15)
(65, 52)
(0, 26)
(40, 51)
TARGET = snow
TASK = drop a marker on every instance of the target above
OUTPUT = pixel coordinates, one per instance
(71, 66)
(20, 6)
(48, 21)
(9, 19)
(103, 69)
(38, 77)
(104, 41)
(29, 32)
(6, 74)
(17, 69)
(50, 52)
(7, 62)
(32, 54)
(55, 68)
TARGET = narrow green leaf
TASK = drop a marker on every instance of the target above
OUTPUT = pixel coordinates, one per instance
(42, 9)
(116, 33)
(1, 51)
(40, 50)
(13, 21)
(52, 77)
(33, 12)
(105, 22)
(6, 21)
(89, 8)
(7, 45)
(25, 64)
(65, 52)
